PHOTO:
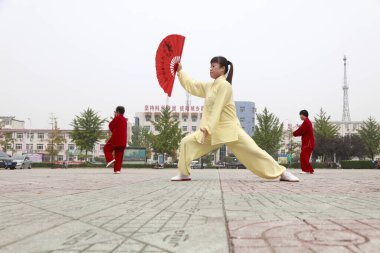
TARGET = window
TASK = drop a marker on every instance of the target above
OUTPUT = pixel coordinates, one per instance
(184, 128)
(30, 136)
(157, 118)
(242, 119)
(18, 146)
(184, 119)
(41, 136)
(147, 117)
(29, 146)
(193, 128)
(147, 128)
(194, 118)
(19, 136)
(60, 147)
(71, 146)
(40, 146)
(60, 158)
(242, 109)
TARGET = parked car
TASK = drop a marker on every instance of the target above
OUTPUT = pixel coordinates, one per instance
(6, 161)
(22, 162)
(220, 165)
(235, 164)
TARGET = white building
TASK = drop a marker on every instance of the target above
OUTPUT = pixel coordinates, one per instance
(9, 122)
(348, 127)
(189, 118)
(36, 141)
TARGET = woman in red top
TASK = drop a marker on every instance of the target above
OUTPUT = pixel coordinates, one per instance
(118, 140)
(307, 133)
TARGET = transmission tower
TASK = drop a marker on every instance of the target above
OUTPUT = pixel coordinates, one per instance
(346, 108)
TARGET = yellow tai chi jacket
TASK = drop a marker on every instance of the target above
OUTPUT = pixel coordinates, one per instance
(219, 112)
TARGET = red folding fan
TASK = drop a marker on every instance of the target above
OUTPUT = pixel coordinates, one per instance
(168, 56)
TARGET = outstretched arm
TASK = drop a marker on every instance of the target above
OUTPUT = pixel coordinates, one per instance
(195, 88)
(301, 130)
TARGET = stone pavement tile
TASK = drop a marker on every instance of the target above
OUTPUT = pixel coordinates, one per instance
(372, 246)
(142, 211)
(20, 221)
(7, 202)
(74, 235)
(253, 250)
(210, 238)
(333, 249)
(72, 205)
(130, 246)
(292, 250)
(241, 243)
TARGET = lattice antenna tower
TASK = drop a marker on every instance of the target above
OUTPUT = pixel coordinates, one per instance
(346, 108)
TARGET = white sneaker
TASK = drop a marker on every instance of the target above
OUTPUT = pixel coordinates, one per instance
(287, 176)
(116, 172)
(111, 162)
(181, 177)
(302, 172)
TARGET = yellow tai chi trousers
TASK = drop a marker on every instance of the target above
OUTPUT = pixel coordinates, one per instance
(245, 149)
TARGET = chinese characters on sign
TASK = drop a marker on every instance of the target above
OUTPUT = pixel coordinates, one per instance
(174, 108)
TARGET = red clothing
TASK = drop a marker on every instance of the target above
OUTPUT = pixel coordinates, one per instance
(308, 144)
(117, 142)
(119, 154)
(118, 127)
(307, 133)
(305, 160)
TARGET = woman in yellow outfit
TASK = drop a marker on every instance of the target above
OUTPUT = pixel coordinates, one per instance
(220, 125)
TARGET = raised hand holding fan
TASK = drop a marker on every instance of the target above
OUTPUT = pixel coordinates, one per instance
(168, 56)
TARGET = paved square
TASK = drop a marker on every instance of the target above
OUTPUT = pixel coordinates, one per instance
(140, 210)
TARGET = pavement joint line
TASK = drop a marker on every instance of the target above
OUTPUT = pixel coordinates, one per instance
(228, 234)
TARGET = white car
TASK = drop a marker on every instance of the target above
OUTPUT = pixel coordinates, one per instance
(22, 162)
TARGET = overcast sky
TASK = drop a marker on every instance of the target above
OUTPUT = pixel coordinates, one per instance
(63, 56)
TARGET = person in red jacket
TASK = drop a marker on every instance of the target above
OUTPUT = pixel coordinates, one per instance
(306, 131)
(118, 140)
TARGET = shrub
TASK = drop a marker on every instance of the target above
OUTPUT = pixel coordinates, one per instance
(363, 164)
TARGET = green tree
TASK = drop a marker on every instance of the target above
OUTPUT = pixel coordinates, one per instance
(55, 138)
(269, 132)
(7, 141)
(325, 135)
(349, 146)
(370, 135)
(169, 134)
(87, 130)
(141, 138)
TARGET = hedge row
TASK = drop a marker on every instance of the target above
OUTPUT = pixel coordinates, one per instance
(314, 164)
(91, 165)
(344, 165)
(356, 164)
